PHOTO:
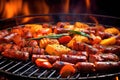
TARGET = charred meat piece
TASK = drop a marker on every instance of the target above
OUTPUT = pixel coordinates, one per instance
(107, 66)
(33, 50)
(85, 47)
(16, 54)
(31, 43)
(79, 53)
(73, 58)
(5, 46)
(103, 57)
(50, 58)
(85, 67)
(61, 30)
(59, 64)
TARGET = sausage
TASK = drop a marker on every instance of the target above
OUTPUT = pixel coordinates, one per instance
(59, 64)
(5, 46)
(73, 58)
(85, 67)
(9, 37)
(85, 47)
(107, 66)
(2, 34)
(79, 53)
(61, 30)
(31, 43)
(50, 58)
(103, 57)
(16, 54)
(33, 50)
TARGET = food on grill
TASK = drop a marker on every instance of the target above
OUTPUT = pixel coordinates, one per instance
(20, 55)
(73, 58)
(56, 49)
(59, 64)
(107, 66)
(67, 70)
(50, 58)
(33, 50)
(44, 63)
(83, 47)
(85, 67)
(103, 57)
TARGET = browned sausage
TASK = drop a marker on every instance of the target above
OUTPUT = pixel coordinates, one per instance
(85, 67)
(33, 50)
(50, 58)
(79, 53)
(103, 57)
(85, 47)
(73, 58)
(15, 54)
(107, 66)
(60, 30)
(9, 37)
(5, 46)
(31, 43)
(59, 64)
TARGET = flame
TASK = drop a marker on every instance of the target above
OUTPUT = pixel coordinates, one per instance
(11, 8)
(88, 5)
(116, 78)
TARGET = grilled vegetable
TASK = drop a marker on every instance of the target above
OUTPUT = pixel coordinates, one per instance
(64, 39)
(56, 49)
(44, 63)
(108, 41)
(50, 36)
(67, 70)
(45, 41)
(112, 30)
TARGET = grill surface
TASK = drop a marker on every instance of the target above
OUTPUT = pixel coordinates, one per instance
(29, 70)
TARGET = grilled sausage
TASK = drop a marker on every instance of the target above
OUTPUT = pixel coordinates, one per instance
(85, 47)
(85, 67)
(15, 54)
(61, 30)
(50, 58)
(33, 50)
(79, 53)
(103, 57)
(31, 43)
(5, 46)
(9, 37)
(107, 66)
(59, 64)
(73, 58)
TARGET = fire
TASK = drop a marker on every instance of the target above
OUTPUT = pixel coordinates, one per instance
(88, 5)
(10, 8)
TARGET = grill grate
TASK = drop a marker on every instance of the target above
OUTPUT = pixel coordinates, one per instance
(29, 70)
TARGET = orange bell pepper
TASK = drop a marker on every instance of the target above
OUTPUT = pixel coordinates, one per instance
(44, 63)
(67, 70)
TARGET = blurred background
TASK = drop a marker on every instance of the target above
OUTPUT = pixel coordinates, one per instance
(12, 8)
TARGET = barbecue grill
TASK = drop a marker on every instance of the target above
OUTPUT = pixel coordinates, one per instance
(28, 70)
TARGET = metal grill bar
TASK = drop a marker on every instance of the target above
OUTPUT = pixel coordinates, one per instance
(6, 65)
(51, 74)
(27, 70)
(13, 66)
(33, 72)
(3, 62)
(21, 67)
(42, 73)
